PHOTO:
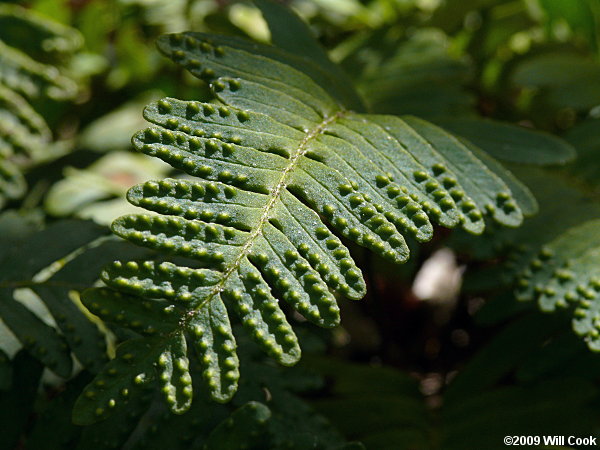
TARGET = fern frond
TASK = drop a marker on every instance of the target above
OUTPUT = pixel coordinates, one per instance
(30, 78)
(23, 77)
(21, 128)
(566, 272)
(12, 182)
(283, 165)
(552, 259)
(47, 39)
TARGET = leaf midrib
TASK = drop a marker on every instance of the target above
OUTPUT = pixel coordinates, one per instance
(273, 197)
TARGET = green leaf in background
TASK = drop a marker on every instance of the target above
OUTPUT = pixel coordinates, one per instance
(97, 191)
(577, 88)
(235, 432)
(419, 78)
(512, 143)
(62, 259)
(585, 137)
(581, 16)
(16, 402)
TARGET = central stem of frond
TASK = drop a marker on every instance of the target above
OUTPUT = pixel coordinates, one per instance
(273, 197)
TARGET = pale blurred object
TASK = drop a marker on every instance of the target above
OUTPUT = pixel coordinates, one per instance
(249, 19)
(439, 279)
(98, 192)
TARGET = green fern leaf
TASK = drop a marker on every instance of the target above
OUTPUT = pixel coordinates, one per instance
(21, 128)
(30, 78)
(552, 258)
(141, 420)
(290, 33)
(115, 432)
(282, 163)
(12, 182)
(23, 76)
(47, 39)
(566, 272)
(53, 427)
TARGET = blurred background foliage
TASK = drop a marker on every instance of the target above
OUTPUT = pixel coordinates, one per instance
(457, 367)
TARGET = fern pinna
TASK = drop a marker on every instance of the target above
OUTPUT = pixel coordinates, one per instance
(282, 159)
